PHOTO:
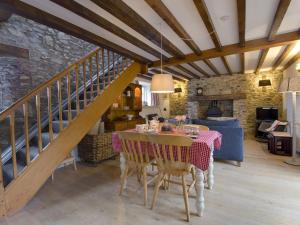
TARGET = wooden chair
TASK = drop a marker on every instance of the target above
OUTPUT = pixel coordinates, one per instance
(136, 159)
(172, 157)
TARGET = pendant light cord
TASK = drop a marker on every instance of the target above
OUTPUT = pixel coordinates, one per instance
(160, 49)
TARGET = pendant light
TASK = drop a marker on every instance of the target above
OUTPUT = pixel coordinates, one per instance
(162, 82)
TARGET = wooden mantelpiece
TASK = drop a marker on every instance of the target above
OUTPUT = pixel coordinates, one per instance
(235, 96)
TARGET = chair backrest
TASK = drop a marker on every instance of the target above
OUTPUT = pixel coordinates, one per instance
(169, 149)
(197, 127)
(132, 147)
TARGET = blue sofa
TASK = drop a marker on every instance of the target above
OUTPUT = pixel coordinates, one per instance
(232, 147)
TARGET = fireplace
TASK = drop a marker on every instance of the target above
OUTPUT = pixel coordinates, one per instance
(216, 108)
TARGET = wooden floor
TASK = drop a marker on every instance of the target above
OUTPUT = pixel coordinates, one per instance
(263, 191)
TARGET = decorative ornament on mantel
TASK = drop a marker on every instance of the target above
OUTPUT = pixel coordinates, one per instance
(162, 82)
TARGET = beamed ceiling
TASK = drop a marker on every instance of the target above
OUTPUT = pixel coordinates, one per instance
(201, 38)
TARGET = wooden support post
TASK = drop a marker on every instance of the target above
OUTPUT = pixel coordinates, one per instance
(76, 89)
(13, 144)
(59, 104)
(97, 71)
(38, 118)
(26, 134)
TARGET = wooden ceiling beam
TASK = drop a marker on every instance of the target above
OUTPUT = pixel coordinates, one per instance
(172, 71)
(292, 60)
(211, 66)
(174, 78)
(107, 25)
(199, 69)
(185, 70)
(143, 76)
(241, 9)
(204, 13)
(225, 62)
(159, 7)
(283, 55)
(47, 19)
(242, 62)
(262, 57)
(253, 45)
(128, 16)
(13, 51)
(280, 12)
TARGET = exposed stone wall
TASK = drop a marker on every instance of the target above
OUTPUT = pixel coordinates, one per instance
(244, 109)
(50, 52)
(178, 101)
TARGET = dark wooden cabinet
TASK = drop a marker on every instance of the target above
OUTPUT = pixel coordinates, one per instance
(129, 103)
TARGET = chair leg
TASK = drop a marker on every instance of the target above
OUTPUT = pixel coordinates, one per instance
(186, 199)
(145, 185)
(74, 164)
(156, 189)
(123, 179)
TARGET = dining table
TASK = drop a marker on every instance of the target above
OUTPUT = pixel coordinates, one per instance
(201, 156)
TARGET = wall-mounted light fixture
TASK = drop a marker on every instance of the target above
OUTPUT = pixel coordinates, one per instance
(178, 90)
(264, 83)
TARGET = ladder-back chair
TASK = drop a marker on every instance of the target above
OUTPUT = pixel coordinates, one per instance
(172, 154)
(137, 158)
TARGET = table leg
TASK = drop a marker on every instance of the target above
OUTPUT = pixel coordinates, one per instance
(211, 169)
(122, 167)
(199, 185)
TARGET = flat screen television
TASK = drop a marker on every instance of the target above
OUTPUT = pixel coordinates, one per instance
(266, 113)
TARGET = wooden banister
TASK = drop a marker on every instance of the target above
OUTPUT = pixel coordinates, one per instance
(63, 82)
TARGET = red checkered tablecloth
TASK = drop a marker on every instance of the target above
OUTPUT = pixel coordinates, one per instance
(200, 150)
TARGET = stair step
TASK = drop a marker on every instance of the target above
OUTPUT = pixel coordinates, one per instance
(45, 139)
(73, 113)
(8, 172)
(55, 125)
(88, 94)
(34, 151)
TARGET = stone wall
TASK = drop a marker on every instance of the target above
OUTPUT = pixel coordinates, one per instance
(244, 109)
(178, 101)
(50, 52)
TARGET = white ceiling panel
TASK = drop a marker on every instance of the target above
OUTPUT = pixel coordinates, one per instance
(145, 11)
(192, 69)
(179, 71)
(185, 12)
(224, 17)
(204, 67)
(219, 65)
(251, 60)
(272, 56)
(291, 20)
(259, 17)
(101, 12)
(234, 62)
(66, 15)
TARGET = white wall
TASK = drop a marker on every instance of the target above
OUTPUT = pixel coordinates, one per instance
(288, 104)
(164, 102)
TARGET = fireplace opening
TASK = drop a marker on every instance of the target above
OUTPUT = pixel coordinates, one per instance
(216, 108)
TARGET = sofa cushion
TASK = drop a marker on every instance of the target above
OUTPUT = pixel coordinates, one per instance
(227, 123)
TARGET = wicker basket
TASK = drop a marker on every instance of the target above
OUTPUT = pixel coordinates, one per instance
(95, 148)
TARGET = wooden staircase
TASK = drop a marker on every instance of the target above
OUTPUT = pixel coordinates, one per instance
(65, 108)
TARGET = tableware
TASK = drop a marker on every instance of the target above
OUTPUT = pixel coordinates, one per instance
(129, 116)
(141, 128)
